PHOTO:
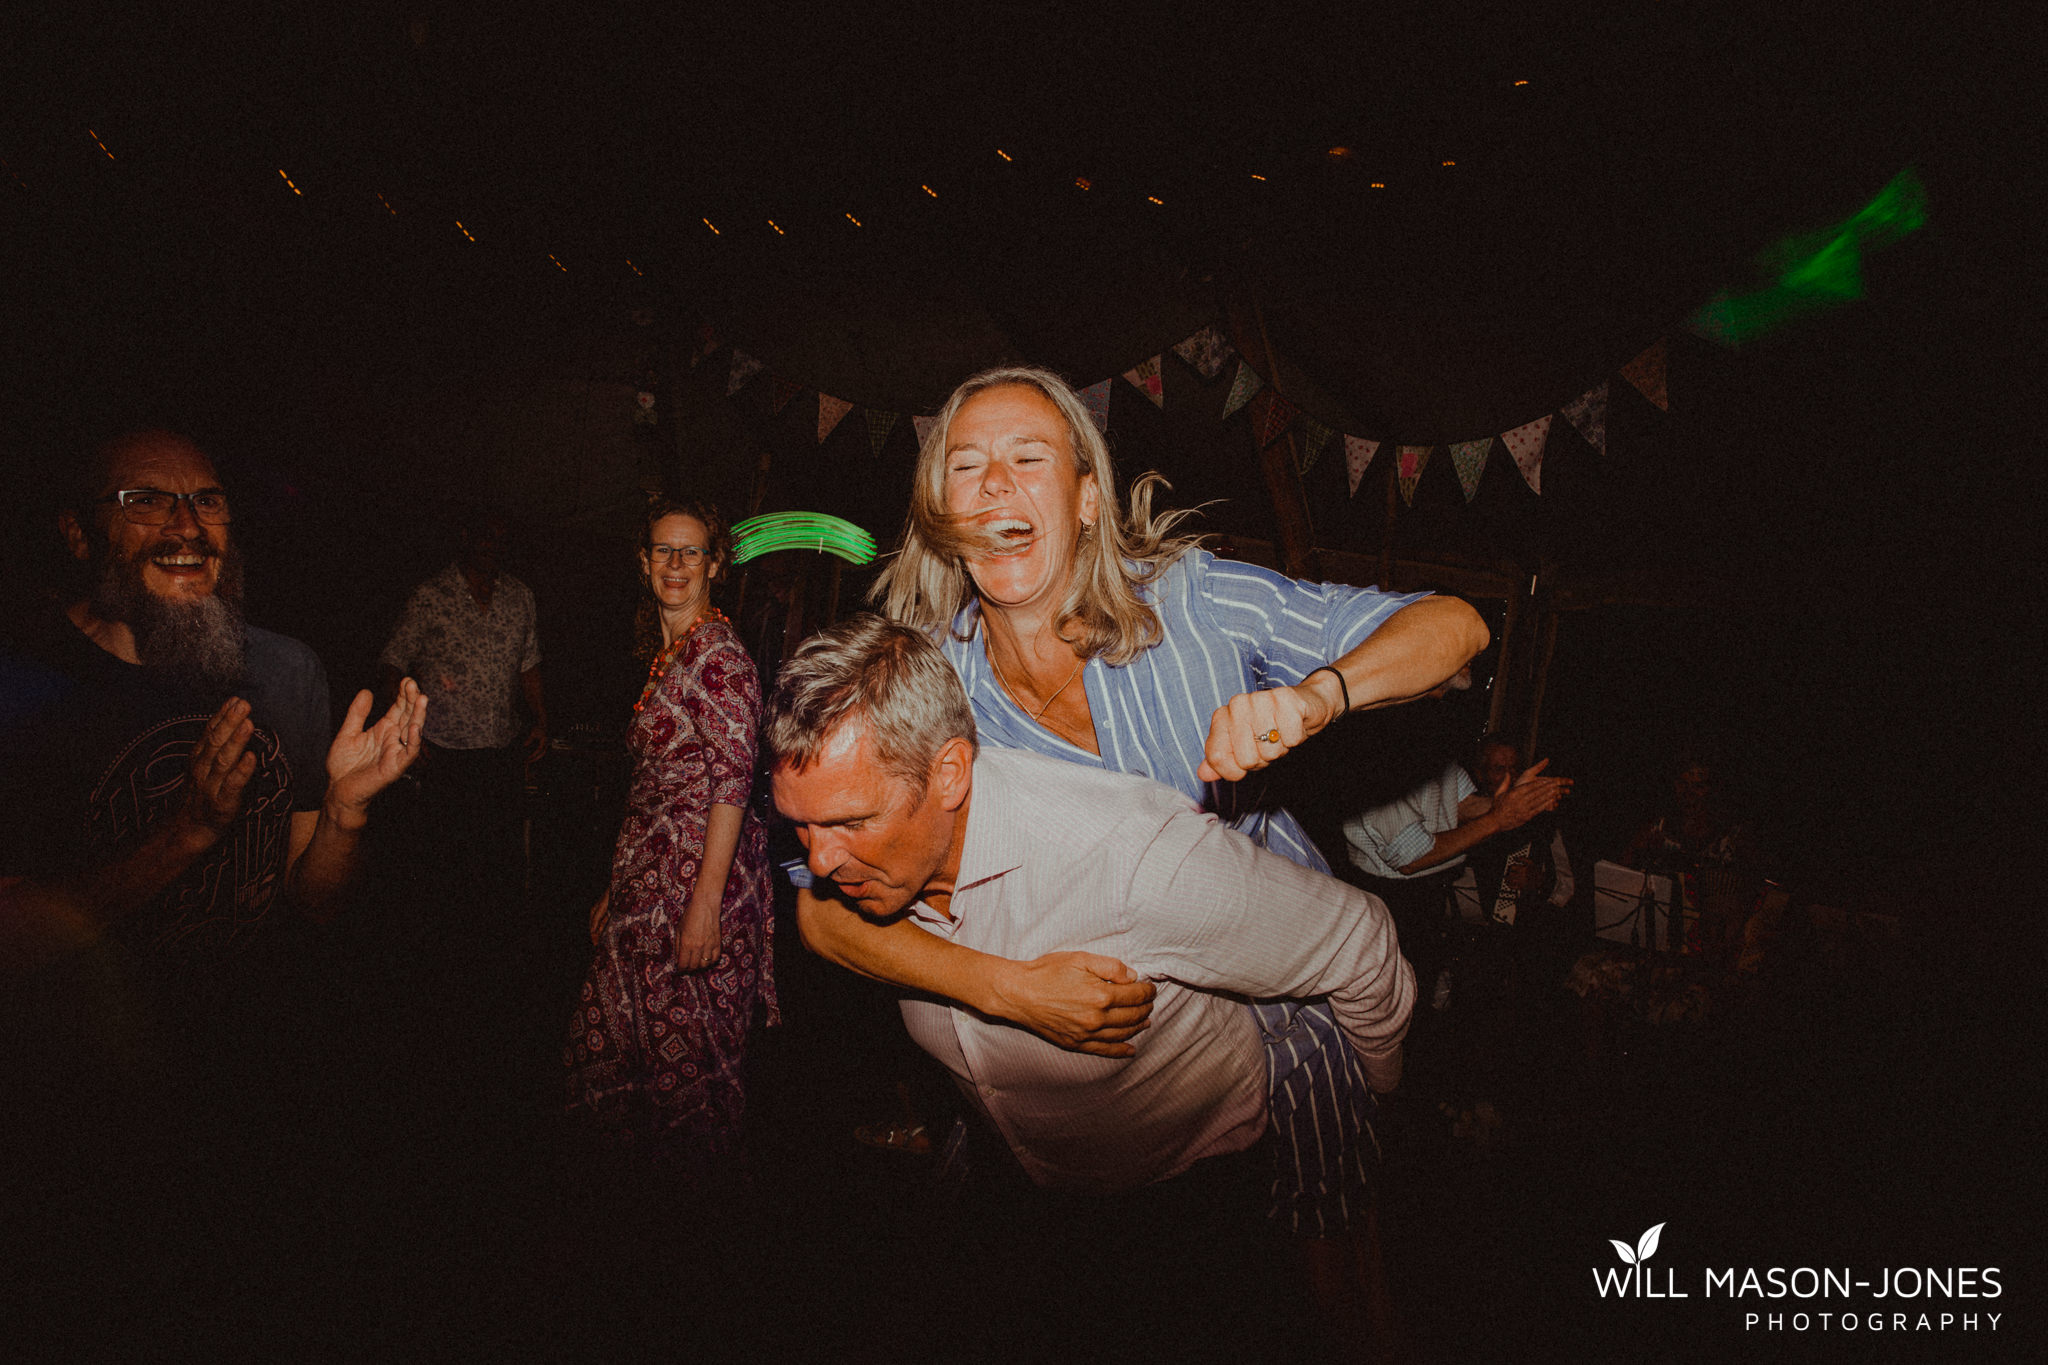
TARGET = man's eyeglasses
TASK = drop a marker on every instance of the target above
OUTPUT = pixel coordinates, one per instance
(692, 555)
(154, 507)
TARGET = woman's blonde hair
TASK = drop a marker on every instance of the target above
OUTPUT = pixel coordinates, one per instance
(927, 582)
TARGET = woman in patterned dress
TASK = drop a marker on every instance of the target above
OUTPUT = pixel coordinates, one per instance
(683, 931)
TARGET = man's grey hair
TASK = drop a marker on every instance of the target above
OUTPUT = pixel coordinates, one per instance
(888, 676)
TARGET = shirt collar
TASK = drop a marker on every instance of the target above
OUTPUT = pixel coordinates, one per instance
(994, 843)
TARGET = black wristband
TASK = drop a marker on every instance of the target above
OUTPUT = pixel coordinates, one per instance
(1333, 671)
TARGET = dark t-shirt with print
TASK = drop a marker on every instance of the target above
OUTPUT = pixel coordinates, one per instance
(96, 751)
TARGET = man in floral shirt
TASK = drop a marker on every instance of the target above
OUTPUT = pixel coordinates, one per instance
(468, 636)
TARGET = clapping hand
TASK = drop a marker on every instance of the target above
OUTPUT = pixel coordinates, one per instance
(221, 768)
(1518, 802)
(364, 760)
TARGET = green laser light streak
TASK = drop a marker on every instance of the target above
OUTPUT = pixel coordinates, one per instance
(1816, 270)
(757, 536)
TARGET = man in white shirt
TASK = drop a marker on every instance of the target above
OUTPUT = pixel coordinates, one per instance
(1018, 855)
(1407, 851)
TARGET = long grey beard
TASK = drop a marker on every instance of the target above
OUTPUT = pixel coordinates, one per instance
(200, 643)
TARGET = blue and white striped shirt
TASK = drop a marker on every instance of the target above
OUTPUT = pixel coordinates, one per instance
(1228, 628)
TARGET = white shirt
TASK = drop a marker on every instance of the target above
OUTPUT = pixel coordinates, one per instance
(1387, 838)
(1057, 856)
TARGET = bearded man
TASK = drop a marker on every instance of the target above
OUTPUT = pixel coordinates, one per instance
(170, 768)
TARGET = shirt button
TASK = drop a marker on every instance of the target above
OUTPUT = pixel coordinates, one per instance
(988, 1090)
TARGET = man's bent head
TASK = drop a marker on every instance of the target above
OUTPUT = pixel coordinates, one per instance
(873, 742)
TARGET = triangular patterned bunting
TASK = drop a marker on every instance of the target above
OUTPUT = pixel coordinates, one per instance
(705, 344)
(1588, 412)
(780, 392)
(1242, 388)
(1206, 352)
(1413, 458)
(1469, 459)
(1358, 453)
(924, 427)
(744, 367)
(1314, 437)
(1646, 372)
(1095, 398)
(830, 411)
(1525, 447)
(880, 424)
(1146, 378)
(1271, 416)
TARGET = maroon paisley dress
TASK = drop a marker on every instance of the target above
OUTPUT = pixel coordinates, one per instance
(654, 1053)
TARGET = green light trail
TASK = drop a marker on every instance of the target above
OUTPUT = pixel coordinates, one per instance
(1817, 270)
(757, 536)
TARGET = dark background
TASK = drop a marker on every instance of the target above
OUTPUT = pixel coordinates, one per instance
(1837, 523)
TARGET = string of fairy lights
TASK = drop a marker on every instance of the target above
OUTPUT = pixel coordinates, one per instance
(766, 227)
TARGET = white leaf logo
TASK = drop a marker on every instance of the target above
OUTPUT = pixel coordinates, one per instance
(1646, 1245)
(1643, 1250)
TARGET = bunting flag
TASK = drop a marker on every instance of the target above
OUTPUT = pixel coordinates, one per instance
(924, 427)
(1096, 399)
(1242, 388)
(830, 411)
(780, 392)
(706, 343)
(1145, 377)
(744, 367)
(1588, 412)
(1469, 459)
(1315, 436)
(1358, 453)
(643, 410)
(1525, 447)
(1206, 352)
(1271, 416)
(1413, 458)
(1646, 372)
(880, 424)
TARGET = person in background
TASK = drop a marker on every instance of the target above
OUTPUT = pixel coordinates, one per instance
(1697, 839)
(469, 635)
(1408, 850)
(1543, 877)
(684, 930)
(1518, 883)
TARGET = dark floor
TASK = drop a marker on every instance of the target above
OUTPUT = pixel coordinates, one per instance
(375, 1172)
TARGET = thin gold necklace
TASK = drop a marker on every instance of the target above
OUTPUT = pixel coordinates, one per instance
(1039, 714)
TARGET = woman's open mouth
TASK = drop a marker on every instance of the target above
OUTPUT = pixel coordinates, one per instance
(1011, 534)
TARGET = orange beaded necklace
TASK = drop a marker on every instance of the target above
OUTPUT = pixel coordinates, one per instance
(667, 656)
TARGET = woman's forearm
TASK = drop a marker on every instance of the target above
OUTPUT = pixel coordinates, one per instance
(1419, 647)
(721, 843)
(1077, 1000)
